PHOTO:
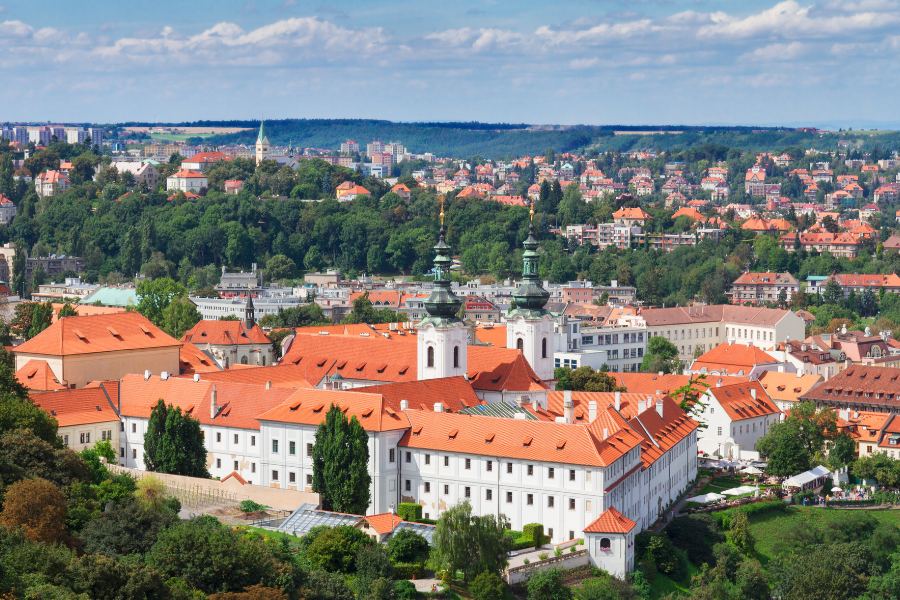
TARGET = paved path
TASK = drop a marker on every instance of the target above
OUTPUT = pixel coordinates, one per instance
(425, 586)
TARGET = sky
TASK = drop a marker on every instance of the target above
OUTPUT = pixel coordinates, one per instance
(793, 62)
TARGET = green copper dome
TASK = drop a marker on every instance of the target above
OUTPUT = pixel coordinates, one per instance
(530, 296)
(442, 304)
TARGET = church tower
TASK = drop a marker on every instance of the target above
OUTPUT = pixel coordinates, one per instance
(442, 338)
(529, 327)
(249, 313)
(262, 144)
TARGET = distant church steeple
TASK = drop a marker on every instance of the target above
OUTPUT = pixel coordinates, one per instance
(442, 339)
(262, 144)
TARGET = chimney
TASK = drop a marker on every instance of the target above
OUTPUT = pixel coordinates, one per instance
(605, 433)
(659, 406)
(719, 382)
(568, 407)
(438, 407)
(559, 420)
(753, 393)
(618, 399)
(213, 402)
(592, 411)
(146, 374)
(535, 405)
(781, 368)
(522, 400)
(520, 416)
(196, 377)
(649, 402)
(164, 375)
(404, 404)
(269, 384)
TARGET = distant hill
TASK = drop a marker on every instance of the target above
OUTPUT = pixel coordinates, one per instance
(505, 140)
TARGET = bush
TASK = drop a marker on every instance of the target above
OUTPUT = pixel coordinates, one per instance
(408, 570)
(548, 585)
(667, 558)
(488, 586)
(534, 532)
(407, 546)
(723, 518)
(696, 535)
(405, 590)
(249, 506)
(409, 511)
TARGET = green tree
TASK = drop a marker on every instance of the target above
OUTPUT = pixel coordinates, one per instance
(341, 463)
(38, 507)
(585, 379)
(180, 315)
(336, 549)
(155, 295)
(126, 527)
(739, 533)
(842, 451)
(468, 543)
(488, 586)
(784, 450)
(407, 546)
(174, 443)
(364, 312)
(832, 294)
(548, 585)
(67, 310)
(280, 267)
(661, 356)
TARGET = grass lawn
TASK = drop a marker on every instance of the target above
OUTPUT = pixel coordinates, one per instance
(176, 137)
(720, 483)
(768, 529)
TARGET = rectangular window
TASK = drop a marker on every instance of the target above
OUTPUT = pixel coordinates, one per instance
(253, 467)
(218, 436)
(571, 503)
(218, 463)
(122, 426)
(409, 457)
(509, 497)
(121, 451)
(235, 465)
(427, 487)
(718, 431)
(391, 455)
(571, 474)
(468, 492)
(446, 461)
(488, 494)
(551, 473)
(309, 450)
(134, 453)
(235, 438)
(446, 490)
(550, 533)
(252, 440)
(530, 470)
(509, 468)
(308, 479)
(292, 477)
(529, 499)
(292, 448)
(65, 440)
(468, 463)
(274, 475)
(490, 465)
(427, 459)
(274, 446)
(134, 428)
(551, 501)
(407, 485)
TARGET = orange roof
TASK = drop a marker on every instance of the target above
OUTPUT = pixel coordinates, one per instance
(865, 280)
(733, 359)
(787, 387)
(400, 187)
(193, 360)
(495, 335)
(77, 407)
(393, 298)
(766, 278)
(97, 333)
(225, 333)
(376, 358)
(84, 310)
(188, 174)
(454, 393)
(632, 213)
(383, 523)
(514, 438)
(309, 407)
(738, 401)
(37, 375)
(238, 404)
(661, 432)
(611, 521)
(689, 212)
(760, 224)
(205, 157)
(650, 383)
(289, 376)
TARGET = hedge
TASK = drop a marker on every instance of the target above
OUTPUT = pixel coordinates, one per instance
(723, 518)
(409, 511)
(408, 570)
(534, 532)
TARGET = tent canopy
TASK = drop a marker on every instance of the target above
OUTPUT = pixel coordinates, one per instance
(798, 481)
(751, 470)
(706, 498)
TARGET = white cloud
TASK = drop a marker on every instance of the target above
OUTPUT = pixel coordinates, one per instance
(771, 52)
(583, 63)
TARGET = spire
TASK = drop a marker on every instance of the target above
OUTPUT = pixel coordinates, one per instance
(261, 138)
(530, 296)
(249, 312)
(442, 304)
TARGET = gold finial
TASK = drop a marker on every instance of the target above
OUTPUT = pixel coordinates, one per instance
(441, 201)
(531, 211)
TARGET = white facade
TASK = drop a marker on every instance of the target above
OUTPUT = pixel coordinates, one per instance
(620, 348)
(535, 338)
(442, 350)
(729, 437)
(213, 309)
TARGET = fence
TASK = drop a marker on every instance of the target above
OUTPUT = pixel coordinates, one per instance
(569, 560)
(196, 492)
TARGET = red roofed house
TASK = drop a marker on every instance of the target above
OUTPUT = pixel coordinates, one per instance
(187, 181)
(233, 186)
(735, 359)
(736, 416)
(7, 210)
(859, 283)
(760, 288)
(232, 342)
(348, 191)
(611, 535)
(202, 161)
(631, 216)
(85, 416)
(81, 349)
(401, 190)
(49, 183)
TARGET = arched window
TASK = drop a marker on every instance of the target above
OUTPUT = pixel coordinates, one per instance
(605, 544)
(520, 344)
(243, 360)
(455, 357)
(544, 348)
(429, 361)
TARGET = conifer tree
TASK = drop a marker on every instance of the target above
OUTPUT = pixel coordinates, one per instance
(174, 443)
(341, 464)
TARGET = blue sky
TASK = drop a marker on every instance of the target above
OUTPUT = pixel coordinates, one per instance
(816, 62)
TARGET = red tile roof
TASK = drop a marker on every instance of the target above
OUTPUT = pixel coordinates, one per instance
(632, 213)
(732, 359)
(193, 360)
(309, 407)
(737, 400)
(97, 333)
(383, 523)
(77, 407)
(225, 333)
(38, 376)
(288, 376)
(611, 521)
(454, 393)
